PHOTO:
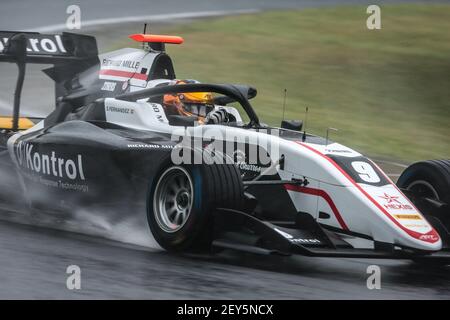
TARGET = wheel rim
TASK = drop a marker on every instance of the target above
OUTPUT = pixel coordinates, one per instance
(173, 197)
(423, 189)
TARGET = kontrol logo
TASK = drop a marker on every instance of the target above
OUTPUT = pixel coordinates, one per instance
(49, 164)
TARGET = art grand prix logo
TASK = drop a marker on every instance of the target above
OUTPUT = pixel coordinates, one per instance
(392, 202)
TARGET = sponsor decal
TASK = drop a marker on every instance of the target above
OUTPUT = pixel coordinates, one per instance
(109, 86)
(40, 44)
(416, 225)
(284, 234)
(149, 146)
(408, 216)
(158, 112)
(338, 151)
(429, 237)
(390, 199)
(240, 160)
(50, 164)
(306, 241)
(249, 167)
(394, 203)
(72, 186)
(297, 240)
(239, 156)
(121, 63)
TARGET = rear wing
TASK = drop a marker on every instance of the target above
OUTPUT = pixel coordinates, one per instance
(69, 53)
(35, 47)
(24, 123)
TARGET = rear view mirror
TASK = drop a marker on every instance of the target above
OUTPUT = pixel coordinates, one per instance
(246, 91)
(295, 125)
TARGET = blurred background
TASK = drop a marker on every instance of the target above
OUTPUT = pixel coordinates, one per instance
(387, 91)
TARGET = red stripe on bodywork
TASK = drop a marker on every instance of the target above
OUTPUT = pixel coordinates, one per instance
(123, 74)
(431, 236)
(322, 194)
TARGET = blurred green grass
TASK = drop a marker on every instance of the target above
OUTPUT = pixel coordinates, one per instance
(388, 90)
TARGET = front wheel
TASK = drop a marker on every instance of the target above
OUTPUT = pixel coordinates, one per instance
(427, 181)
(182, 199)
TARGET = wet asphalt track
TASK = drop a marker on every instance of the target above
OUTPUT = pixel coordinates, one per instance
(33, 260)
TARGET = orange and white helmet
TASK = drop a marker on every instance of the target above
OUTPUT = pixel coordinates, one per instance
(197, 104)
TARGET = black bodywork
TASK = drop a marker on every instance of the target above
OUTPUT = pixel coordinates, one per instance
(110, 165)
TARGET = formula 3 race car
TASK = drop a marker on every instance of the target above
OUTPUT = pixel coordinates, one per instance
(205, 185)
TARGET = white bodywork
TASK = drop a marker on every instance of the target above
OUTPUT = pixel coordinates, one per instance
(384, 213)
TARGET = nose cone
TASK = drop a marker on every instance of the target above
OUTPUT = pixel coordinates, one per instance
(407, 226)
(430, 241)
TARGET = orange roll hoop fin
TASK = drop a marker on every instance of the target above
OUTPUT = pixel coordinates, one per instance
(140, 37)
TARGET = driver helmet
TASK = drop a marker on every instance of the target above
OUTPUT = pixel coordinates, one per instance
(197, 104)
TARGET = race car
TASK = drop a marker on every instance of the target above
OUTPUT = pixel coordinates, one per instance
(126, 134)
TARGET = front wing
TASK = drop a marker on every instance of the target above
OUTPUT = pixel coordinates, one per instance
(243, 232)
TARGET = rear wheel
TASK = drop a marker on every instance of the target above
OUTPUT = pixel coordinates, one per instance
(182, 199)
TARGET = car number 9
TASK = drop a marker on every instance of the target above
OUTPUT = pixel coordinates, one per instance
(366, 171)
